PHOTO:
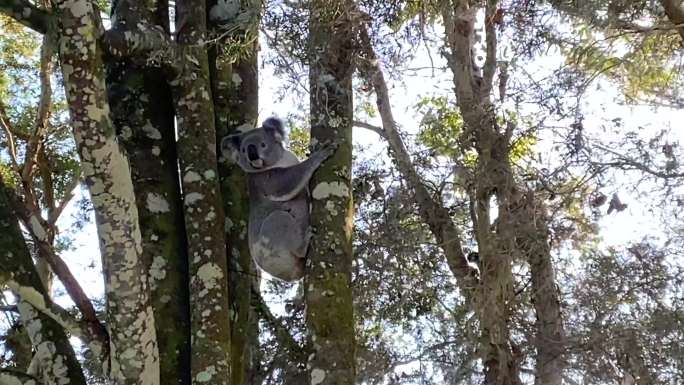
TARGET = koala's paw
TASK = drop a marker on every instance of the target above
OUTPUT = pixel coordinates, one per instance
(327, 151)
(309, 233)
(330, 148)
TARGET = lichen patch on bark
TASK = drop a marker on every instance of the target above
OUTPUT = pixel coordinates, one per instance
(324, 190)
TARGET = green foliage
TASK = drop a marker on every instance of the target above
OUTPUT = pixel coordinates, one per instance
(440, 126)
(404, 11)
(643, 65)
(522, 147)
(19, 49)
(299, 139)
(7, 176)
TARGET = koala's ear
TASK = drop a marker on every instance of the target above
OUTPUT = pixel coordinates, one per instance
(231, 142)
(230, 146)
(275, 128)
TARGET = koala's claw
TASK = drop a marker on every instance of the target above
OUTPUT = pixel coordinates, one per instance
(328, 149)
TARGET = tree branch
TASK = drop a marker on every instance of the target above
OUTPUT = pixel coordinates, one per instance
(489, 67)
(68, 195)
(626, 163)
(6, 126)
(27, 14)
(18, 273)
(45, 305)
(9, 376)
(37, 227)
(281, 333)
(377, 129)
(459, 24)
(10, 308)
(43, 114)
(447, 235)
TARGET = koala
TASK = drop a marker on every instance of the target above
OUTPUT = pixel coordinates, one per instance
(278, 229)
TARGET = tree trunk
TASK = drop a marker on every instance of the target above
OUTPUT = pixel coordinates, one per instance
(494, 177)
(204, 217)
(235, 87)
(328, 295)
(134, 358)
(674, 10)
(142, 110)
(533, 242)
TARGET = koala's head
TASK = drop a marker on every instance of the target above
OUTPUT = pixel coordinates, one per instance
(258, 149)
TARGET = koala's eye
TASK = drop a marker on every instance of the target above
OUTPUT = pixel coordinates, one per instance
(263, 145)
(243, 149)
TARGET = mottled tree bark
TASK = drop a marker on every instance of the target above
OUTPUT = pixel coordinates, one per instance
(51, 346)
(328, 294)
(204, 216)
(235, 88)
(134, 357)
(142, 110)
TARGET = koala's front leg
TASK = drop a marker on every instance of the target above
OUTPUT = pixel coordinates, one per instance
(283, 184)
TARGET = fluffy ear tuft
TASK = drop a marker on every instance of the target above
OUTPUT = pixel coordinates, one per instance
(274, 126)
(231, 142)
(230, 146)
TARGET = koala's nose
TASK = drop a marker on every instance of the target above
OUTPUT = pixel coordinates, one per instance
(252, 153)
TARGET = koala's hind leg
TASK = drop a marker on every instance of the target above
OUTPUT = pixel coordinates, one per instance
(283, 242)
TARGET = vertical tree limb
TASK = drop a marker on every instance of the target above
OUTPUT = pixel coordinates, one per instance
(134, 355)
(204, 216)
(329, 311)
(235, 88)
(517, 223)
(143, 114)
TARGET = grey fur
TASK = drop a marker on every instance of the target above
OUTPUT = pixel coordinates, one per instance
(278, 229)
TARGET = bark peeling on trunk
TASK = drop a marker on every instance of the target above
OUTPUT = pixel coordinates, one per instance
(51, 346)
(204, 217)
(134, 357)
(328, 295)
